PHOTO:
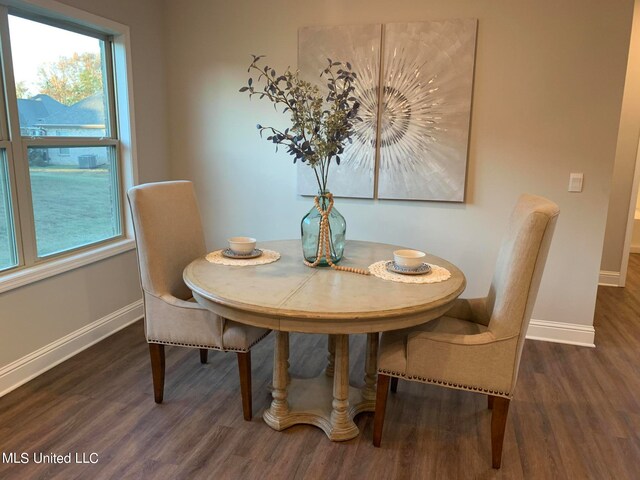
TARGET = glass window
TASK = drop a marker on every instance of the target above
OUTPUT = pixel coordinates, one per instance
(64, 147)
(8, 256)
(61, 81)
(75, 197)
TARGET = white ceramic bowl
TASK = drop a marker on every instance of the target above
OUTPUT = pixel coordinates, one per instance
(408, 258)
(242, 245)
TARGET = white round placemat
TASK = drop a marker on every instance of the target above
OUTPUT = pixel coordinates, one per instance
(438, 274)
(268, 256)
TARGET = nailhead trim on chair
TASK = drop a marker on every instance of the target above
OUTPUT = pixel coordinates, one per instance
(210, 347)
(444, 383)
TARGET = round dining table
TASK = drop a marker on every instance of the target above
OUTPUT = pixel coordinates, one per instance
(287, 296)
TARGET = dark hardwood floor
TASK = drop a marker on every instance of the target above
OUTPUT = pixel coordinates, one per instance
(576, 414)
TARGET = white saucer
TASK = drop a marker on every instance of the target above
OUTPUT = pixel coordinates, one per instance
(423, 269)
(227, 252)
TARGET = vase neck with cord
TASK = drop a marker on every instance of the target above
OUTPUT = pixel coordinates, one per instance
(312, 240)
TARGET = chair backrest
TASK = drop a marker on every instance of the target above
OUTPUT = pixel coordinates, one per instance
(519, 267)
(168, 233)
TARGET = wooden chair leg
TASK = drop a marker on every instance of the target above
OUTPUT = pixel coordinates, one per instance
(498, 424)
(204, 353)
(394, 384)
(490, 402)
(381, 405)
(156, 351)
(244, 367)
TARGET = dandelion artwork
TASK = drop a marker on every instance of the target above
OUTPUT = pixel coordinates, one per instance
(415, 84)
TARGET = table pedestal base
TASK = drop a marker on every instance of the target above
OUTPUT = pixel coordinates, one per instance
(310, 403)
(327, 401)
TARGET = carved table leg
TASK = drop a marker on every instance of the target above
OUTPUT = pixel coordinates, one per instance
(286, 355)
(279, 405)
(331, 355)
(342, 425)
(371, 368)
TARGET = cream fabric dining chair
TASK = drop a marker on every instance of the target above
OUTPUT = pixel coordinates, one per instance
(169, 236)
(477, 345)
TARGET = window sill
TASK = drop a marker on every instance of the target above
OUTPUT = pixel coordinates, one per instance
(28, 275)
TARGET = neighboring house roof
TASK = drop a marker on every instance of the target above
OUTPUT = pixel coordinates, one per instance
(44, 110)
(90, 111)
(51, 104)
(34, 110)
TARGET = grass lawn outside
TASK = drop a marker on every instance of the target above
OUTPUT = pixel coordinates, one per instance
(72, 207)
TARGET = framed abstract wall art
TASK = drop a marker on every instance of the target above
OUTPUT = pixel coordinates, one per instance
(414, 85)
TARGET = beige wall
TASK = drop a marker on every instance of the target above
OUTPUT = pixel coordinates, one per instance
(547, 97)
(625, 159)
(41, 313)
(36, 315)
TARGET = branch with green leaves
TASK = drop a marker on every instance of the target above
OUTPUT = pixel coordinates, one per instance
(320, 125)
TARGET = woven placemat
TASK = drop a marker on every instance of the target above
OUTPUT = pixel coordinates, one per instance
(268, 256)
(438, 274)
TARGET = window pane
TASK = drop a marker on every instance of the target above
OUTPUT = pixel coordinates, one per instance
(75, 197)
(60, 81)
(8, 256)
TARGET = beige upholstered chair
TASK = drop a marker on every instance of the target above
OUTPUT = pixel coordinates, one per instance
(169, 236)
(477, 345)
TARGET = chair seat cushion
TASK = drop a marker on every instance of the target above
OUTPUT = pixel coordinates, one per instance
(393, 344)
(185, 322)
(241, 337)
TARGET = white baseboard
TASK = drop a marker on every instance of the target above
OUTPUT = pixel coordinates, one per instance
(47, 357)
(609, 279)
(634, 249)
(558, 332)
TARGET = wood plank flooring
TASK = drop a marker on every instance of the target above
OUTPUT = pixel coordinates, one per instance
(576, 414)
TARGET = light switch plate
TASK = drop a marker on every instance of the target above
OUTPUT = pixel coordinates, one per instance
(575, 182)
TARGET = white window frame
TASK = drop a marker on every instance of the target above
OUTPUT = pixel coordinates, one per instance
(34, 268)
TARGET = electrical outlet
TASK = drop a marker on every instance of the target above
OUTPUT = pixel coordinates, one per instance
(575, 182)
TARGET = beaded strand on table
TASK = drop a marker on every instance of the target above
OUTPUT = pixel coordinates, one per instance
(323, 244)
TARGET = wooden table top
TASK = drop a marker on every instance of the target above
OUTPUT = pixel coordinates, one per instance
(287, 295)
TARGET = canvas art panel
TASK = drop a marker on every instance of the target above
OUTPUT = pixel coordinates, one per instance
(427, 85)
(360, 46)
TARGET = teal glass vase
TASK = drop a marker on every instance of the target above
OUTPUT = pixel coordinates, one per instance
(310, 230)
